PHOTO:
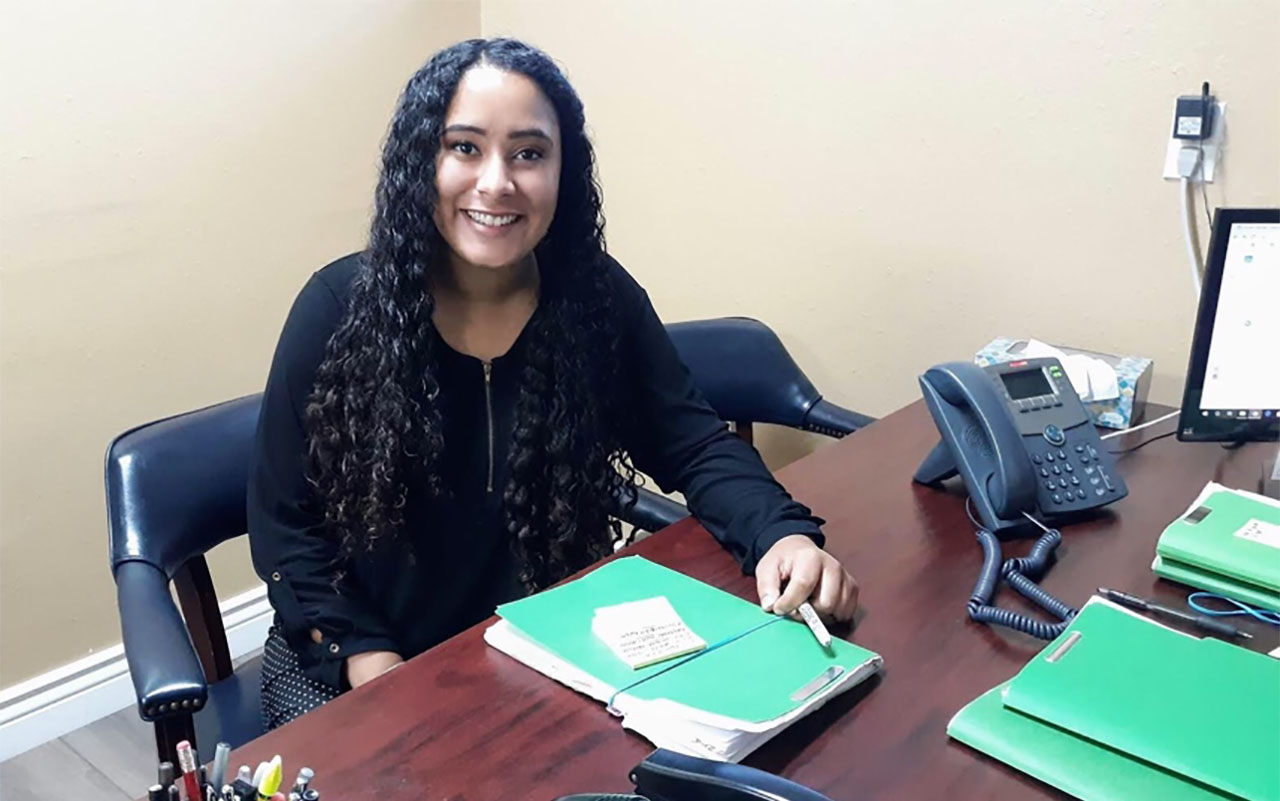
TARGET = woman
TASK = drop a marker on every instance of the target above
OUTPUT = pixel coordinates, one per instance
(453, 414)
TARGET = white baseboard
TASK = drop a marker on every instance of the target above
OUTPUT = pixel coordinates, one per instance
(64, 699)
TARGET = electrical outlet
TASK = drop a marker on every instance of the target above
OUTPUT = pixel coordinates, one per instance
(1212, 149)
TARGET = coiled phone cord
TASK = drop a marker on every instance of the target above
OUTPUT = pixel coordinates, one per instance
(1021, 574)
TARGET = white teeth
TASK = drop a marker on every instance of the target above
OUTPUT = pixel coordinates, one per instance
(492, 219)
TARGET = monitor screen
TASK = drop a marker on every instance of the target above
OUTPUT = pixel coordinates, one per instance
(1233, 381)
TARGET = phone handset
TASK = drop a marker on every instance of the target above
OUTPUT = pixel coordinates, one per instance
(981, 438)
(982, 443)
(667, 776)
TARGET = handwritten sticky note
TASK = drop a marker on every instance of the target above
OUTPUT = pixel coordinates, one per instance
(643, 633)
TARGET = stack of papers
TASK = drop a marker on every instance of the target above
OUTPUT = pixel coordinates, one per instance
(757, 674)
(1121, 708)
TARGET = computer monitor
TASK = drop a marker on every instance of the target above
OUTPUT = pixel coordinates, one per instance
(1233, 380)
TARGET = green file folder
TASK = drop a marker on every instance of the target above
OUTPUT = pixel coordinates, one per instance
(1201, 708)
(754, 678)
(1229, 544)
(1216, 583)
(1070, 763)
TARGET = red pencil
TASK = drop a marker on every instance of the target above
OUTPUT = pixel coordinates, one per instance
(190, 771)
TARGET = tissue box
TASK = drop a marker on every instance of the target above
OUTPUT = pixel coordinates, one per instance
(1133, 374)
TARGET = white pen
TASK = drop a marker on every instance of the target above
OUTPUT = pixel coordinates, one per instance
(260, 774)
(815, 624)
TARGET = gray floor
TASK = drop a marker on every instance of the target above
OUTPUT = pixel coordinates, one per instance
(112, 759)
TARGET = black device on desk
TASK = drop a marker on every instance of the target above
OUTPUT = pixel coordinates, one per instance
(667, 776)
(1020, 438)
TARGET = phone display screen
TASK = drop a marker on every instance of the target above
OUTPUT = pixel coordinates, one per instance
(1026, 383)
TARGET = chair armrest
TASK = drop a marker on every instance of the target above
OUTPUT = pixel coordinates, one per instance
(167, 677)
(827, 418)
(652, 511)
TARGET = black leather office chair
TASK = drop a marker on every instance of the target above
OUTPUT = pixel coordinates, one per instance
(175, 489)
(748, 377)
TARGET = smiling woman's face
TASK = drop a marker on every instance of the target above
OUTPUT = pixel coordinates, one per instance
(498, 169)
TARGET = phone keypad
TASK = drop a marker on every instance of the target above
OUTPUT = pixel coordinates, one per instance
(1064, 487)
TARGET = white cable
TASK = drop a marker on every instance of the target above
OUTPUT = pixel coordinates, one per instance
(1193, 258)
(1139, 428)
(1188, 162)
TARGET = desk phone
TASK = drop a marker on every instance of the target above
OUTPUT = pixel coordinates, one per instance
(1020, 438)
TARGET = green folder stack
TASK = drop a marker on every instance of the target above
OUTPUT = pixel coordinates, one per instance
(1228, 542)
(1122, 708)
(759, 674)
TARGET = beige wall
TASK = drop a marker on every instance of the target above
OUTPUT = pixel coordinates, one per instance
(867, 177)
(893, 184)
(171, 174)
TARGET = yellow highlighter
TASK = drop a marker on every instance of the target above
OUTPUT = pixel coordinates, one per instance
(271, 781)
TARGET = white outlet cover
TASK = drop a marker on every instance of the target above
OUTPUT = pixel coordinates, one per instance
(1212, 148)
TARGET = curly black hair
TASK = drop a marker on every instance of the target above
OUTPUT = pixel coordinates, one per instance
(374, 429)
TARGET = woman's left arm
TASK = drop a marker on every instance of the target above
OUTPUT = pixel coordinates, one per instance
(679, 440)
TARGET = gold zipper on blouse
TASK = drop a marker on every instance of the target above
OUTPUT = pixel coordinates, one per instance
(488, 408)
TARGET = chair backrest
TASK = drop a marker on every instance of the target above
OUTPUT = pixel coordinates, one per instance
(744, 371)
(176, 487)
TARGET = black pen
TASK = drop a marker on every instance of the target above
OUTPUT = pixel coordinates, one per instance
(1202, 621)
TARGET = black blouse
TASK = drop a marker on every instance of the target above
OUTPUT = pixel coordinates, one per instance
(454, 564)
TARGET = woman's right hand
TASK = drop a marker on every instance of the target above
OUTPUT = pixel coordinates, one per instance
(370, 665)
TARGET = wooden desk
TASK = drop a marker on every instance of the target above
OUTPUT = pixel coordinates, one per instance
(463, 721)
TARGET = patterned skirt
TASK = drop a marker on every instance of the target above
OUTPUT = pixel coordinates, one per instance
(286, 692)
